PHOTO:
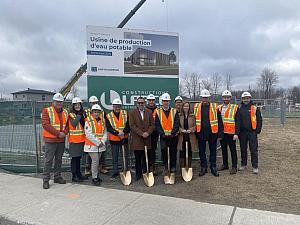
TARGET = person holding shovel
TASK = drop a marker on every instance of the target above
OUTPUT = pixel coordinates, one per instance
(167, 125)
(186, 137)
(142, 125)
(95, 139)
(117, 124)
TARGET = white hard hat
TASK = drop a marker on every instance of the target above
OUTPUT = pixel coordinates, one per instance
(58, 97)
(246, 94)
(205, 93)
(76, 100)
(151, 97)
(178, 98)
(93, 99)
(226, 93)
(96, 107)
(117, 101)
(165, 97)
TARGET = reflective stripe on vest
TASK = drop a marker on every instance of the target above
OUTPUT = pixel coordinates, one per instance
(253, 116)
(229, 118)
(166, 123)
(76, 134)
(117, 124)
(55, 122)
(213, 116)
(96, 127)
(154, 113)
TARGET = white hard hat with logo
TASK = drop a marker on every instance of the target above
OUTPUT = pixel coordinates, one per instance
(58, 97)
(178, 98)
(165, 97)
(246, 94)
(151, 97)
(96, 107)
(226, 93)
(117, 101)
(205, 93)
(93, 99)
(76, 100)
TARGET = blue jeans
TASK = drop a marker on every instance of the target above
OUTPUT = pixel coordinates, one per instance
(115, 157)
(212, 155)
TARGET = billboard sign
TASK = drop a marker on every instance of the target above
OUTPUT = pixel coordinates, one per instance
(132, 53)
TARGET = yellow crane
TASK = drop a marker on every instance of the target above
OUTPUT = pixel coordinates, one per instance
(65, 90)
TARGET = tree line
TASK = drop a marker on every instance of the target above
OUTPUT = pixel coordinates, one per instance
(265, 86)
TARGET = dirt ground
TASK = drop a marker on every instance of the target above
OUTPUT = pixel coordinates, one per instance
(276, 188)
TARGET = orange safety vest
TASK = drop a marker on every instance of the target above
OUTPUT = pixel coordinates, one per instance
(229, 118)
(76, 134)
(213, 116)
(96, 127)
(253, 116)
(166, 123)
(55, 122)
(154, 113)
(117, 124)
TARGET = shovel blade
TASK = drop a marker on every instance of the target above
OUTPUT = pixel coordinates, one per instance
(125, 177)
(169, 179)
(187, 174)
(149, 179)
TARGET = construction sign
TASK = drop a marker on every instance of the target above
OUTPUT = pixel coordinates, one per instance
(114, 54)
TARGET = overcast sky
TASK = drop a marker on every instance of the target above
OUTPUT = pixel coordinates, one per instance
(42, 43)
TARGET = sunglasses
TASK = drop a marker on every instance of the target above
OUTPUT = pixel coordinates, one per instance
(141, 103)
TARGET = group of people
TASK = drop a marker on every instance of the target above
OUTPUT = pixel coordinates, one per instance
(184, 129)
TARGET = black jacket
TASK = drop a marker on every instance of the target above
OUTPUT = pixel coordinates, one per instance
(206, 133)
(175, 126)
(243, 121)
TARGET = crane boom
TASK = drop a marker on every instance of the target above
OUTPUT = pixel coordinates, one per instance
(65, 90)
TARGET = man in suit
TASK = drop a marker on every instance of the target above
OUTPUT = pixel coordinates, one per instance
(142, 125)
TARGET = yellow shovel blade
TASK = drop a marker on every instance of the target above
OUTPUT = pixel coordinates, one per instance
(149, 179)
(125, 177)
(187, 174)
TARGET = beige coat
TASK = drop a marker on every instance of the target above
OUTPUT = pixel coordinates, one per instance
(192, 127)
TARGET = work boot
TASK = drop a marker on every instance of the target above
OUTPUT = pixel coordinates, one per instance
(46, 185)
(59, 180)
(214, 171)
(96, 181)
(75, 178)
(114, 177)
(81, 177)
(223, 167)
(242, 168)
(255, 170)
(233, 171)
(202, 172)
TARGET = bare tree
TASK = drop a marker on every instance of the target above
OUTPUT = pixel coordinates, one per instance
(228, 81)
(190, 84)
(207, 84)
(216, 82)
(267, 81)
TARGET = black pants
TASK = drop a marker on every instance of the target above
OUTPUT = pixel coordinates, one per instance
(172, 144)
(212, 142)
(140, 162)
(225, 142)
(251, 138)
(182, 154)
(152, 151)
(75, 166)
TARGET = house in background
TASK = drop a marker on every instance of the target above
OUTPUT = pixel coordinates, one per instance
(33, 95)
